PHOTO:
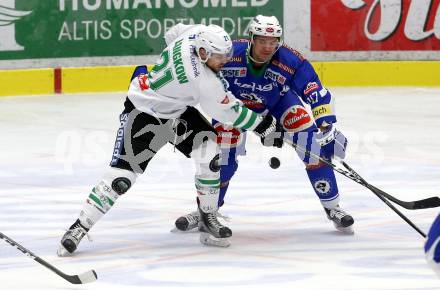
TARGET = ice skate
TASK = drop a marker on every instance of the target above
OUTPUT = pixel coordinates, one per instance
(187, 222)
(342, 221)
(71, 239)
(190, 222)
(212, 232)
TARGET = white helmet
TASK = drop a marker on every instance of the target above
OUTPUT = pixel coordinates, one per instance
(265, 26)
(214, 39)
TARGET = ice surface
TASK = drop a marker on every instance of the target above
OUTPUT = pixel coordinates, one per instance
(55, 148)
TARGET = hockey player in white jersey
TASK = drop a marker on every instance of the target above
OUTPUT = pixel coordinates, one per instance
(159, 109)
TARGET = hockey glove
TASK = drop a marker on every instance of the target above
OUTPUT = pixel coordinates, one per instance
(333, 142)
(270, 132)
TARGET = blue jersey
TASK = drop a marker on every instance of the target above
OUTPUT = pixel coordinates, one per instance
(287, 72)
(280, 87)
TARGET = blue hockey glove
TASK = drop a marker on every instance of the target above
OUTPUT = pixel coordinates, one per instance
(333, 142)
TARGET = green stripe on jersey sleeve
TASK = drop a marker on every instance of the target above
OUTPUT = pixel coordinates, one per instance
(247, 119)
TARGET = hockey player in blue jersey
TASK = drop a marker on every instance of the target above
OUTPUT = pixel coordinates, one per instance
(432, 246)
(269, 77)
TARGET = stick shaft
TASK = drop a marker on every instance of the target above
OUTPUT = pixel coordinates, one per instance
(74, 279)
(353, 175)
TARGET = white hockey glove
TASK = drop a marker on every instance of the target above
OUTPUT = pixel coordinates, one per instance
(333, 142)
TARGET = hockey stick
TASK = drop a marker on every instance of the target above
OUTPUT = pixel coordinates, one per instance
(351, 174)
(379, 194)
(429, 202)
(87, 277)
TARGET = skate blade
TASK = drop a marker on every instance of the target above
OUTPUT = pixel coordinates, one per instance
(176, 230)
(347, 230)
(62, 252)
(210, 240)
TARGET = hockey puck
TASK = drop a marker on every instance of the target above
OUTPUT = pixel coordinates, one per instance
(274, 163)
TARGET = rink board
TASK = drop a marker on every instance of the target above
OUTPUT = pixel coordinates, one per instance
(115, 78)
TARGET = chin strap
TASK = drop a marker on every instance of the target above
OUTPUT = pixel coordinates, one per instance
(248, 52)
(256, 61)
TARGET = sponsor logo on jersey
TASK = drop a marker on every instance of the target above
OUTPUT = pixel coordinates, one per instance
(311, 87)
(254, 86)
(236, 59)
(322, 111)
(274, 76)
(296, 119)
(227, 137)
(119, 143)
(194, 65)
(283, 66)
(295, 52)
(143, 82)
(238, 72)
(322, 186)
(252, 101)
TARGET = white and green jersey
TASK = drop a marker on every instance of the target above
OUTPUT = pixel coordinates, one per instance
(179, 79)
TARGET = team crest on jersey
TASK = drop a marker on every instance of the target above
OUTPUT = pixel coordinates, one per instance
(227, 137)
(230, 72)
(252, 101)
(311, 87)
(274, 76)
(296, 119)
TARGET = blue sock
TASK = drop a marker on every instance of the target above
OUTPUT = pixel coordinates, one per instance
(223, 188)
(324, 183)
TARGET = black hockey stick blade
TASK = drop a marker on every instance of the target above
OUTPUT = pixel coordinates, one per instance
(427, 203)
(87, 277)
